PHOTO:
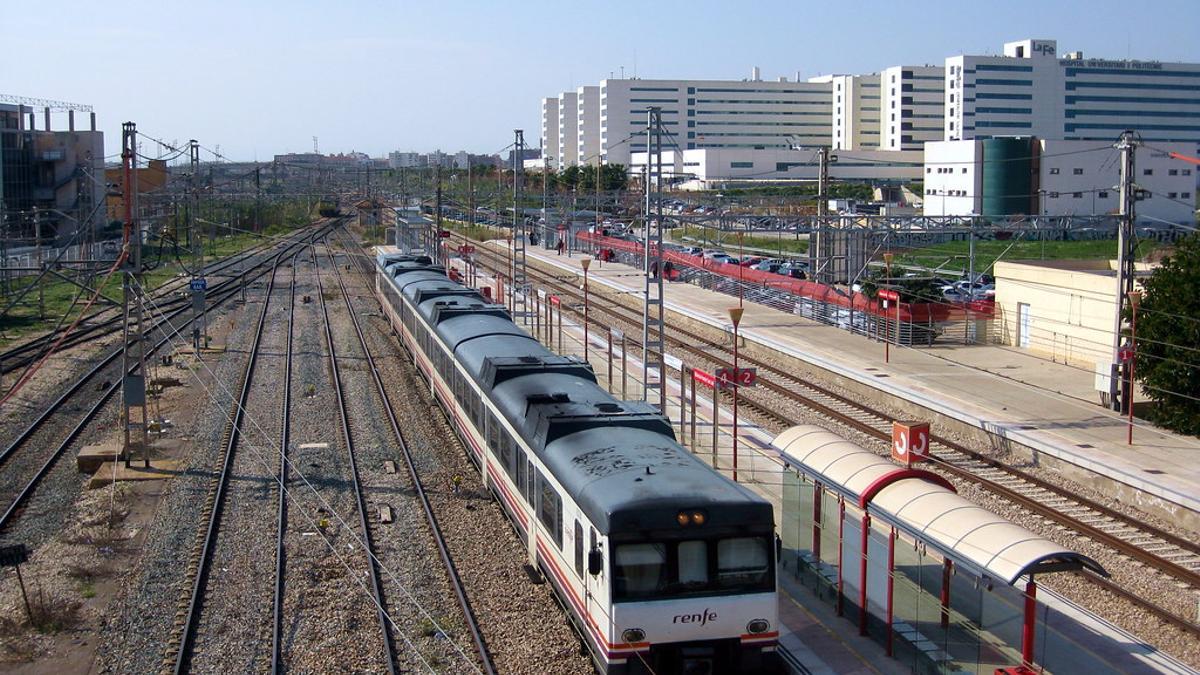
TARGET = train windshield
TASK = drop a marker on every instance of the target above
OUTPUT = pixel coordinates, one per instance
(694, 567)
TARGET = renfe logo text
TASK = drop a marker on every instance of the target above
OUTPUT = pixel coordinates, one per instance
(701, 618)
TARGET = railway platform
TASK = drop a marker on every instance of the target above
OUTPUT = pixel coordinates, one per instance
(1046, 411)
(815, 635)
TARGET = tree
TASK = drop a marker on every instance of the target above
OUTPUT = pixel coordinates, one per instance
(1168, 330)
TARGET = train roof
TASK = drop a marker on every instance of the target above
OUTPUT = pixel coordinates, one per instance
(633, 483)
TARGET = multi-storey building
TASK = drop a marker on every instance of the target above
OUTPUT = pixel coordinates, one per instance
(50, 181)
(714, 114)
(913, 106)
(550, 120)
(1031, 91)
(856, 112)
(588, 120)
(568, 129)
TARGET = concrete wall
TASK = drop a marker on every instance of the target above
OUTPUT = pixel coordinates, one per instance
(1072, 308)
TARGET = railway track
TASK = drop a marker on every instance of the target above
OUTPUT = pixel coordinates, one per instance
(97, 325)
(188, 622)
(29, 458)
(485, 663)
(1173, 556)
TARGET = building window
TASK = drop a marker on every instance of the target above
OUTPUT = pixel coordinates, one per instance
(1103, 194)
(952, 101)
(1053, 172)
(1077, 195)
(964, 170)
(1172, 195)
(928, 170)
(952, 125)
(741, 165)
(1172, 172)
(1053, 195)
(1186, 172)
(1077, 171)
(1185, 195)
(1148, 172)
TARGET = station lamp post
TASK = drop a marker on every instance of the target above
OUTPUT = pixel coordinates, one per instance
(1135, 297)
(887, 275)
(585, 263)
(735, 317)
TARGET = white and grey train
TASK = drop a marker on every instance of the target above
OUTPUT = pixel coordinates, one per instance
(663, 565)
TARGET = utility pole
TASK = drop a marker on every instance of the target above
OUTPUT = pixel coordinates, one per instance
(652, 291)
(822, 181)
(133, 357)
(1126, 256)
(471, 192)
(198, 282)
(820, 250)
(435, 241)
(518, 288)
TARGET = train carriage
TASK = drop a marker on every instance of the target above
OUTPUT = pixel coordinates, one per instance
(662, 564)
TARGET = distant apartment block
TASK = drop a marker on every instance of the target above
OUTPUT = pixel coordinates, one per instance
(568, 129)
(587, 117)
(913, 106)
(856, 112)
(550, 119)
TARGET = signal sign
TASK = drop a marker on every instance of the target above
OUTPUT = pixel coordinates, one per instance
(705, 378)
(910, 442)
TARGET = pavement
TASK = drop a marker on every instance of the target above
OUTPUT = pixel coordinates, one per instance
(1050, 408)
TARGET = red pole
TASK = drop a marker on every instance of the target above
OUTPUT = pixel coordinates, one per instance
(1027, 629)
(946, 592)
(816, 528)
(735, 401)
(841, 547)
(862, 575)
(890, 582)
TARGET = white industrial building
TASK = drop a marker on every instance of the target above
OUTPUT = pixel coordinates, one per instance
(1031, 91)
(701, 168)
(1053, 178)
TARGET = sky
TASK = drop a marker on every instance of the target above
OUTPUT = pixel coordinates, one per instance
(260, 77)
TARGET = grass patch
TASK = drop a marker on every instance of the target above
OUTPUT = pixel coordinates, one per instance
(476, 232)
(953, 255)
(25, 318)
(782, 243)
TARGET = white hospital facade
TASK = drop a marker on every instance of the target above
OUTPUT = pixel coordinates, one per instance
(1029, 90)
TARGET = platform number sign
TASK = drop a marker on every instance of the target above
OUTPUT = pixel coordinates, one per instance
(746, 377)
(910, 442)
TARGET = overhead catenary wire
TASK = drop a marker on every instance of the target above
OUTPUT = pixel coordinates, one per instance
(261, 456)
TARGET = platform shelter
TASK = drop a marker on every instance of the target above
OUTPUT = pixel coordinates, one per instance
(944, 584)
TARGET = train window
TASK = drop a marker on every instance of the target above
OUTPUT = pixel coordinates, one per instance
(528, 485)
(742, 561)
(578, 549)
(493, 438)
(505, 452)
(513, 459)
(639, 569)
(693, 563)
(550, 510)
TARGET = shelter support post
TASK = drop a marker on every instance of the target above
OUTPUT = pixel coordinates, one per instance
(1030, 622)
(862, 575)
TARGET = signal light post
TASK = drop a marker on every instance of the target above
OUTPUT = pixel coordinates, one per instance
(735, 315)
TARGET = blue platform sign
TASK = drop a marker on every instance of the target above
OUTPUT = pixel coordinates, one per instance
(200, 284)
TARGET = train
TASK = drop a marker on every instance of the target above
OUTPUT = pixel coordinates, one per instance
(662, 564)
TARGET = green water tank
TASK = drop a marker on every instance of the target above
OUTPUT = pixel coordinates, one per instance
(1007, 176)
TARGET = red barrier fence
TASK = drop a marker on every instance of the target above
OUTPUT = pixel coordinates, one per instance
(910, 312)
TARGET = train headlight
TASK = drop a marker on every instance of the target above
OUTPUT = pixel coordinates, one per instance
(698, 518)
(682, 518)
(632, 635)
(758, 626)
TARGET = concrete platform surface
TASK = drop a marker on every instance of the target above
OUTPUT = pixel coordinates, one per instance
(118, 472)
(1048, 407)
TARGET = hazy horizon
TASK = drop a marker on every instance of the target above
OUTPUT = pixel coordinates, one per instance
(262, 78)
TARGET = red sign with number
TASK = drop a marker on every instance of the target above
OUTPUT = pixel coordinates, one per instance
(554, 300)
(466, 249)
(910, 442)
(1125, 354)
(705, 378)
(746, 377)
